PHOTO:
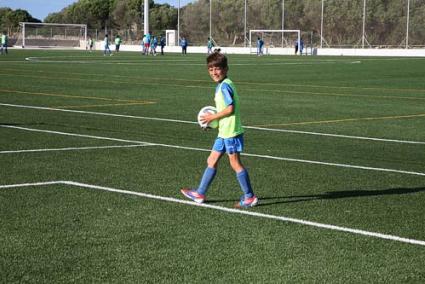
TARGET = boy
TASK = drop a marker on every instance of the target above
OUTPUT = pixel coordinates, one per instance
(230, 135)
(117, 43)
(210, 45)
(260, 44)
(106, 46)
(90, 44)
(162, 43)
(184, 44)
(4, 43)
(154, 44)
(147, 43)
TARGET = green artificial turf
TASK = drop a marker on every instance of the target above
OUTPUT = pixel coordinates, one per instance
(332, 140)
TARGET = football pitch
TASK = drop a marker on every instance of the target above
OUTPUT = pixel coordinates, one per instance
(94, 151)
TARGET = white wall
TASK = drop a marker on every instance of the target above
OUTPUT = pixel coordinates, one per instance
(419, 52)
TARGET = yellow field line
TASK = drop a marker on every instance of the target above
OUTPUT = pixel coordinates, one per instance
(70, 96)
(208, 87)
(335, 87)
(104, 81)
(239, 82)
(339, 95)
(341, 120)
(89, 106)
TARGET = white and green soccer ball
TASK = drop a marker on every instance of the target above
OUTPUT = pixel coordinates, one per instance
(205, 110)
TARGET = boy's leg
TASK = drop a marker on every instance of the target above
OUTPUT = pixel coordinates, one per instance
(234, 147)
(248, 199)
(206, 180)
(245, 183)
(209, 172)
(198, 195)
(241, 174)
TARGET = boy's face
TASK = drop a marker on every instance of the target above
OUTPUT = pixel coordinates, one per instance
(218, 74)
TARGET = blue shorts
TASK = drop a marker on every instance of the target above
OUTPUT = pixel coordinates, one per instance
(229, 145)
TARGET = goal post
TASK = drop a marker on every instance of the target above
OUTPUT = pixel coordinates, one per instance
(52, 35)
(274, 39)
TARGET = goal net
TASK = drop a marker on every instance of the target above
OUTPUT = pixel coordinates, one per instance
(45, 35)
(279, 41)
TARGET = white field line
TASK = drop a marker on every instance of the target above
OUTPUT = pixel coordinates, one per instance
(337, 135)
(29, 184)
(99, 113)
(175, 62)
(32, 58)
(208, 150)
(227, 210)
(71, 149)
(193, 122)
(79, 135)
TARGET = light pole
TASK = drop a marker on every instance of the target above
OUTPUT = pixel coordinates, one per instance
(364, 22)
(178, 24)
(283, 18)
(146, 17)
(210, 18)
(321, 27)
(407, 24)
(244, 34)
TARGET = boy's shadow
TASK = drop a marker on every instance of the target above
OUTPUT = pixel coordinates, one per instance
(266, 201)
(336, 195)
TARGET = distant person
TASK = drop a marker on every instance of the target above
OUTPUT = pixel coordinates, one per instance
(301, 46)
(210, 45)
(4, 41)
(162, 44)
(106, 49)
(260, 44)
(147, 43)
(118, 41)
(154, 44)
(143, 44)
(90, 44)
(183, 44)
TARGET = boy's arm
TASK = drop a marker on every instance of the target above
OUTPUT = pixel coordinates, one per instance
(225, 112)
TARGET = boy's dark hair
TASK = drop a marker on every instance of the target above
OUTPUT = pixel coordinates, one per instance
(217, 59)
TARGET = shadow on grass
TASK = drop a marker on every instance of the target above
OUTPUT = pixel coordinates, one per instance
(12, 124)
(265, 201)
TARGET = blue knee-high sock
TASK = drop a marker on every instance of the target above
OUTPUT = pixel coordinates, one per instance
(245, 183)
(206, 180)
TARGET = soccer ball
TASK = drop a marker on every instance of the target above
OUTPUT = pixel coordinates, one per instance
(204, 110)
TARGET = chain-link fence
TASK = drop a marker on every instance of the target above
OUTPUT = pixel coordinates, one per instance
(323, 23)
(326, 23)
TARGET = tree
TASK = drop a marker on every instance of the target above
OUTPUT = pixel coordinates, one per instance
(162, 17)
(10, 19)
(122, 16)
(194, 19)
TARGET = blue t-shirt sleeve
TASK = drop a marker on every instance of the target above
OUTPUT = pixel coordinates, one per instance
(227, 92)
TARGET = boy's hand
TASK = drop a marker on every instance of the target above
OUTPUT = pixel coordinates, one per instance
(206, 118)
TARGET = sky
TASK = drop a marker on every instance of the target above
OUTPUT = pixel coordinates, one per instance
(39, 9)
